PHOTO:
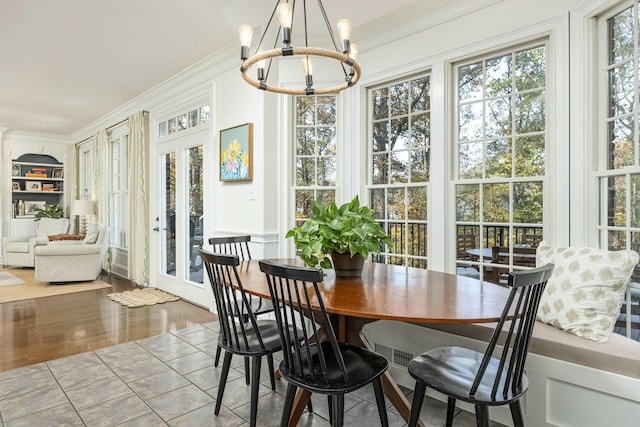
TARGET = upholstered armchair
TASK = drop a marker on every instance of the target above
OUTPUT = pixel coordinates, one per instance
(73, 260)
(19, 250)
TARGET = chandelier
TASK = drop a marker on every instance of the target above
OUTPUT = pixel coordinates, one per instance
(345, 55)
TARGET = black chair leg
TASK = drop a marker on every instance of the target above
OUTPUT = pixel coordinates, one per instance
(255, 385)
(310, 407)
(330, 405)
(247, 372)
(382, 407)
(226, 364)
(218, 351)
(337, 418)
(416, 404)
(451, 409)
(288, 405)
(482, 416)
(516, 414)
(271, 371)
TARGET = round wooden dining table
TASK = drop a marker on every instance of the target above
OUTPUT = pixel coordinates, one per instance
(391, 292)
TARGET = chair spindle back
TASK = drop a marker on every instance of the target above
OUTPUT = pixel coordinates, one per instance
(522, 305)
(232, 245)
(296, 296)
(234, 309)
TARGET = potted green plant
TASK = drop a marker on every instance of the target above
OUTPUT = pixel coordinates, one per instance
(346, 234)
(49, 211)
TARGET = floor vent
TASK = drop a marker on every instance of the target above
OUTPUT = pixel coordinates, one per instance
(401, 358)
(384, 350)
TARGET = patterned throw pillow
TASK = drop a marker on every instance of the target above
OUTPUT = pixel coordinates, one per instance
(585, 292)
(92, 234)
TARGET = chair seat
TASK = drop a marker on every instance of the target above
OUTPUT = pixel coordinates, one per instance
(452, 370)
(270, 339)
(21, 247)
(362, 366)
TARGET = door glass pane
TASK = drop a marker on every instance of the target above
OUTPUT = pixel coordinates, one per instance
(169, 210)
(194, 213)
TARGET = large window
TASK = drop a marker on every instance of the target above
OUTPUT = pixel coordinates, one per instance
(118, 190)
(618, 150)
(501, 125)
(315, 156)
(399, 167)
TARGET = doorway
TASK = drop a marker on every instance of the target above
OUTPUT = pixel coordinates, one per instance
(179, 225)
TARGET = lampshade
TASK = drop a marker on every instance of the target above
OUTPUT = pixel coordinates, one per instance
(82, 207)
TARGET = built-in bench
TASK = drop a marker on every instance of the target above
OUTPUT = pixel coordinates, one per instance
(573, 381)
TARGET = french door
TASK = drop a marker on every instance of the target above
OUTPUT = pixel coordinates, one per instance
(178, 227)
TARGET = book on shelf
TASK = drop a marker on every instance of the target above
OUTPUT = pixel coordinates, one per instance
(39, 170)
(35, 175)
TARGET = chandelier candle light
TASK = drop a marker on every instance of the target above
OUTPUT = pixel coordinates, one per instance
(346, 54)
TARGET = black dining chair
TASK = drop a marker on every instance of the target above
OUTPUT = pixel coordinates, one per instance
(326, 367)
(241, 332)
(239, 245)
(496, 377)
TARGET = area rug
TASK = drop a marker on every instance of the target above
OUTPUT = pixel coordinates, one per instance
(31, 289)
(8, 279)
(142, 297)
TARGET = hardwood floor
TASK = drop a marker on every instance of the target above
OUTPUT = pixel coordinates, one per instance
(41, 329)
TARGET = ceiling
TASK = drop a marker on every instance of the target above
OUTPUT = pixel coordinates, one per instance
(66, 63)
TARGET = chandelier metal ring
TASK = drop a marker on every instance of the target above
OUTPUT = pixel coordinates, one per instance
(310, 51)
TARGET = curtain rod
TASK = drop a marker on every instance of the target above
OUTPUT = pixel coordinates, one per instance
(110, 127)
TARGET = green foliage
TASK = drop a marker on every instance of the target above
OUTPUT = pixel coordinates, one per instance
(49, 211)
(350, 228)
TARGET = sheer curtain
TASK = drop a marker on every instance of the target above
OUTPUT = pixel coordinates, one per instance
(70, 175)
(100, 183)
(138, 233)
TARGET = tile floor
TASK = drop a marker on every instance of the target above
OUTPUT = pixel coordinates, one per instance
(166, 380)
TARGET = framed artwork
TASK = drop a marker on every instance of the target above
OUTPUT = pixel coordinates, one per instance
(15, 170)
(33, 185)
(15, 186)
(30, 207)
(236, 153)
(56, 173)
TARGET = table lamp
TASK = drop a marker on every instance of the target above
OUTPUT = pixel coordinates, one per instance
(83, 208)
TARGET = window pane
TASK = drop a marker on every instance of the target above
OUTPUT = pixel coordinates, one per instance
(470, 160)
(305, 110)
(498, 155)
(527, 202)
(399, 96)
(380, 99)
(530, 155)
(420, 99)
(499, 76)
(498, 118)
(305, 171)
(621, 89)
(621, 36)
(470, 122)
(530, 69)
(530, 114)
(470, 82)
(417, 203)
(496, 202)
(468, 202)
(616, 206)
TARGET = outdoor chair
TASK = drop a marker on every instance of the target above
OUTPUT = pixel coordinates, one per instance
(239, 245)
(326, 367)
(496, 377)
(241, 332)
